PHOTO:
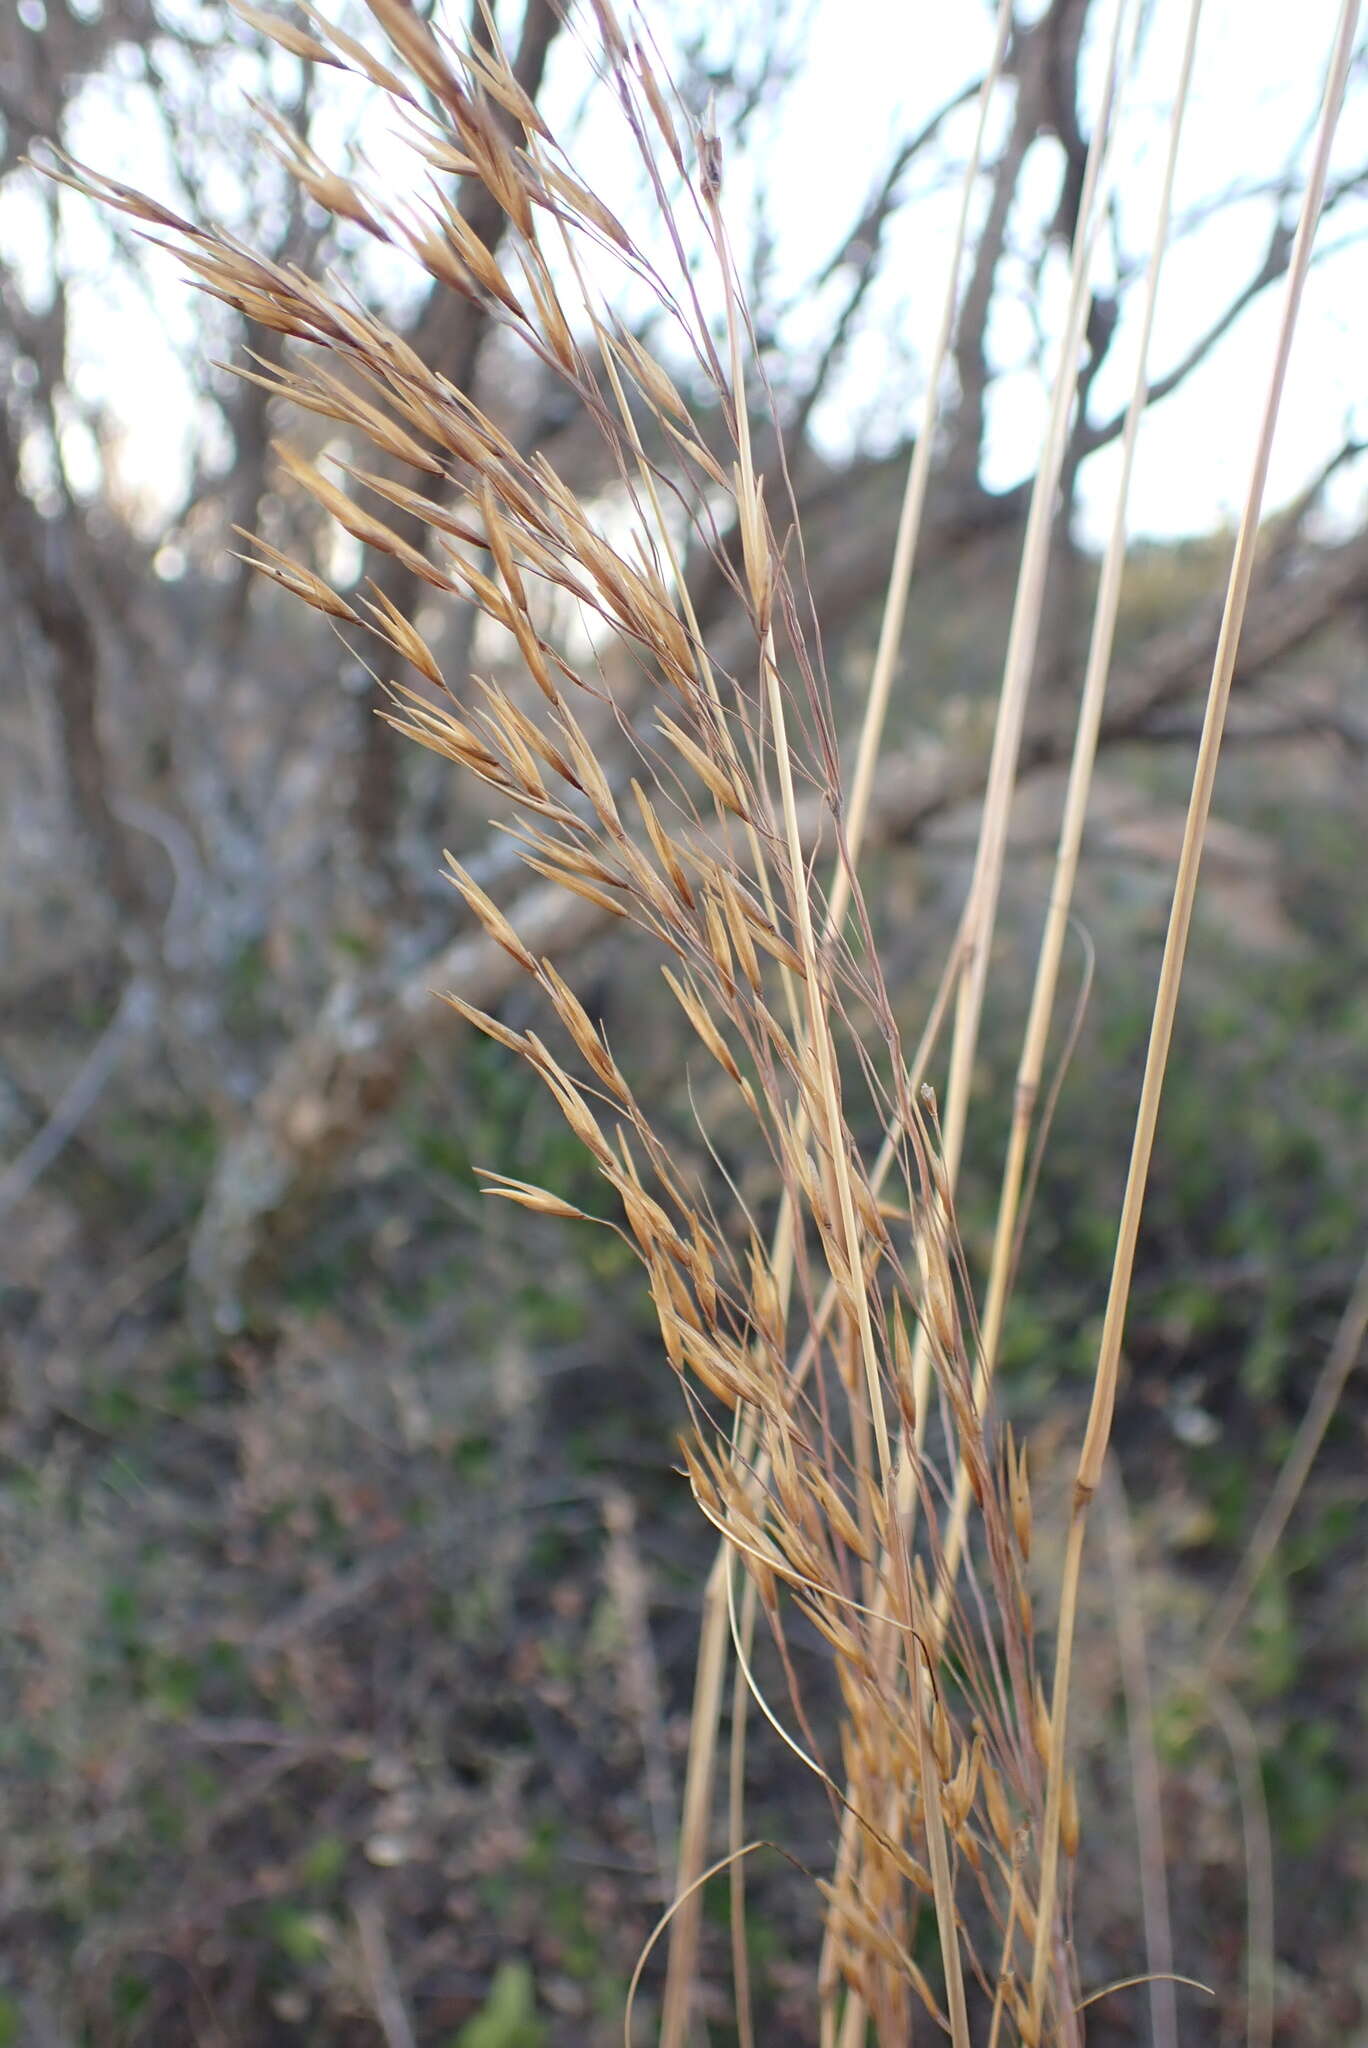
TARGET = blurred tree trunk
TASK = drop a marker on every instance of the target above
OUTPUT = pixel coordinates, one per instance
(44, 573)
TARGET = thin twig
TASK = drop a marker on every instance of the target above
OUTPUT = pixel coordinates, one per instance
(137, 1008)
(1344, 1354)
(1243, 1744)
(387, 2000)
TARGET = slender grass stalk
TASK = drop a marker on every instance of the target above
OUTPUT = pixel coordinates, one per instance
(736, 1808)
(684, 1931)
(980, 913)
(1146, 1786)
(903, 567)
(1166, 1001)
(835, 1145)
(1046, 985)
(1022, 642)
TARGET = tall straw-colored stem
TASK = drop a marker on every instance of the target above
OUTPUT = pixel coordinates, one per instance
(976, 933)
(910, 519)
(712, 1660)
(1032, 1062)
(1166, 1001)
(1023, 639)
(854, 1294)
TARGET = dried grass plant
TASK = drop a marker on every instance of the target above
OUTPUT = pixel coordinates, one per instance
(835, 1368)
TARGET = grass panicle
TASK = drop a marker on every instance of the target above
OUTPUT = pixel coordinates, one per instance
(836, 1378)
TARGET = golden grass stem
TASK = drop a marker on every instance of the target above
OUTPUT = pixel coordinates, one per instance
(854, 2023)
(683, 1943)
(696, 1814)
(666, 1919)
(1146, 1784)
(1045, 989)
(837, 1154)
(745, 2022)
(910, 513)
(1170, 978)
(684, 1933)
(710, 1670)
(1008, 1950)
(1018, 667)
(976, 933)
(928, 1772)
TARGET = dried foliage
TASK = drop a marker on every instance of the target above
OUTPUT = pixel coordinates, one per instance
(841, 1432)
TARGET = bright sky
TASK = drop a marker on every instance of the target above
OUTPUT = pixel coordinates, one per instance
(1256, 89)
(873, 71)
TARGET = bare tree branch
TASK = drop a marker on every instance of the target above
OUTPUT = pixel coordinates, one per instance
(46, 584)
